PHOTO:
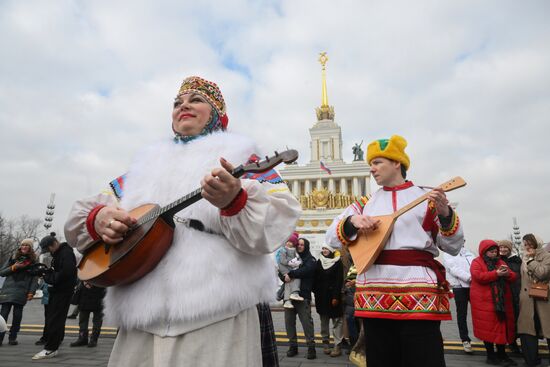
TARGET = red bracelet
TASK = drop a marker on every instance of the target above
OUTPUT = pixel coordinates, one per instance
(91, 220)
(236, 205)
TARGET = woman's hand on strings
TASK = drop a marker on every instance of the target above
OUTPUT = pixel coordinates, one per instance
(220, 187)
(112, 223)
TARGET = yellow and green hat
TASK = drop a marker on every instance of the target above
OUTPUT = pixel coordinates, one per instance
(392, 148)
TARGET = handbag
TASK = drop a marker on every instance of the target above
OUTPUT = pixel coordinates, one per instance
(539, 291)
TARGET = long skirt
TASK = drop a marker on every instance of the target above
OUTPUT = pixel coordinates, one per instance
(231, 342)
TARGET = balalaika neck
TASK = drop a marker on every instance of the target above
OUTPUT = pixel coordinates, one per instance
(167, 212)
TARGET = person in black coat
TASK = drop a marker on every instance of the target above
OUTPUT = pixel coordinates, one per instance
(514, 263)
(306, 274)
(329, 281)
(61, 278)
(90, 299)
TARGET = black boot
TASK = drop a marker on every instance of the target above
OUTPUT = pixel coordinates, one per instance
(2, 338)
(82, 339)
(12, 340)
(74, 314)
(292, 351)
(93, 338)
(311, 353)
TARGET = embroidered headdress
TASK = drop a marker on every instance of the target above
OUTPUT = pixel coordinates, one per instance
(208, 90)
(392, 148)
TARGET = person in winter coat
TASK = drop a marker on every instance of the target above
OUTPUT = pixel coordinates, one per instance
(514, 263)
(459, 277)
(534, 314)
(327, 288)
(288, 260)
(306, 274)
(61, 278)
(90, 299)
(491, 300)
(18, 288)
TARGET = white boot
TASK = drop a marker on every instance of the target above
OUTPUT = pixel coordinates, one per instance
(296, 297)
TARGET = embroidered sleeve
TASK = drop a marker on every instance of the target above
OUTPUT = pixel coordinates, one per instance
(271, 176)
(337, 235)
(117, 186)
(450, 239)
(451, 227)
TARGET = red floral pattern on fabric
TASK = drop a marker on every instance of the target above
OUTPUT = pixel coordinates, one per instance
(416, 302)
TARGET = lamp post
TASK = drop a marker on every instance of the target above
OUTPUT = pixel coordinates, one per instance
(517, 237)
(50, 210)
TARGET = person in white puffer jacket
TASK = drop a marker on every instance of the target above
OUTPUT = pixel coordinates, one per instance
(458, 275)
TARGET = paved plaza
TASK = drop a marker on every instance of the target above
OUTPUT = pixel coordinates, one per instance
(20, 355)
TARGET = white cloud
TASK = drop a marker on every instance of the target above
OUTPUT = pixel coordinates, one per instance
(84, 85)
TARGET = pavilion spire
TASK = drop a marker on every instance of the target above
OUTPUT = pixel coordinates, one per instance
(325, 112)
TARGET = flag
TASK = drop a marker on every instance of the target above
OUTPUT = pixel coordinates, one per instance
(325, 168)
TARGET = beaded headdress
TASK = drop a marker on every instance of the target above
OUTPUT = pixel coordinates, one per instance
(208, 90)
(212, 93)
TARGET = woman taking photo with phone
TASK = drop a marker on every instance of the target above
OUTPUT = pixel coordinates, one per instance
(491, 301)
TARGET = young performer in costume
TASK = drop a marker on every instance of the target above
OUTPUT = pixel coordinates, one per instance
(198, 306)
(403, 296)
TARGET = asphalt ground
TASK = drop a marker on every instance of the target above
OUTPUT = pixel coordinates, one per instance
(33, 320)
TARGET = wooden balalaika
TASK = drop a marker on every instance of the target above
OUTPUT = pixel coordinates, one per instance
(149, 239)
(368, 245)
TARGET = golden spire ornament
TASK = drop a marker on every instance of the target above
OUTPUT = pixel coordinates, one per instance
(325, 112)
(323, 58)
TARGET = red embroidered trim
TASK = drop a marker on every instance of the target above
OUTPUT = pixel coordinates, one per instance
(394, 200)
(403, 186)
(416, 302)
(236, 205)
(90, 220)
(340, 233)
(430, 223)
(404, 316)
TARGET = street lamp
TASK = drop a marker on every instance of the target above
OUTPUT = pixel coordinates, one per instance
(49, 212)
(517, 237)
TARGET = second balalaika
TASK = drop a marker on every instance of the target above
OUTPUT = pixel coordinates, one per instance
(368, 245)
(149, 239)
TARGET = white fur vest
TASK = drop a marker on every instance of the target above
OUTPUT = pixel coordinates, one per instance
(202, 276)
